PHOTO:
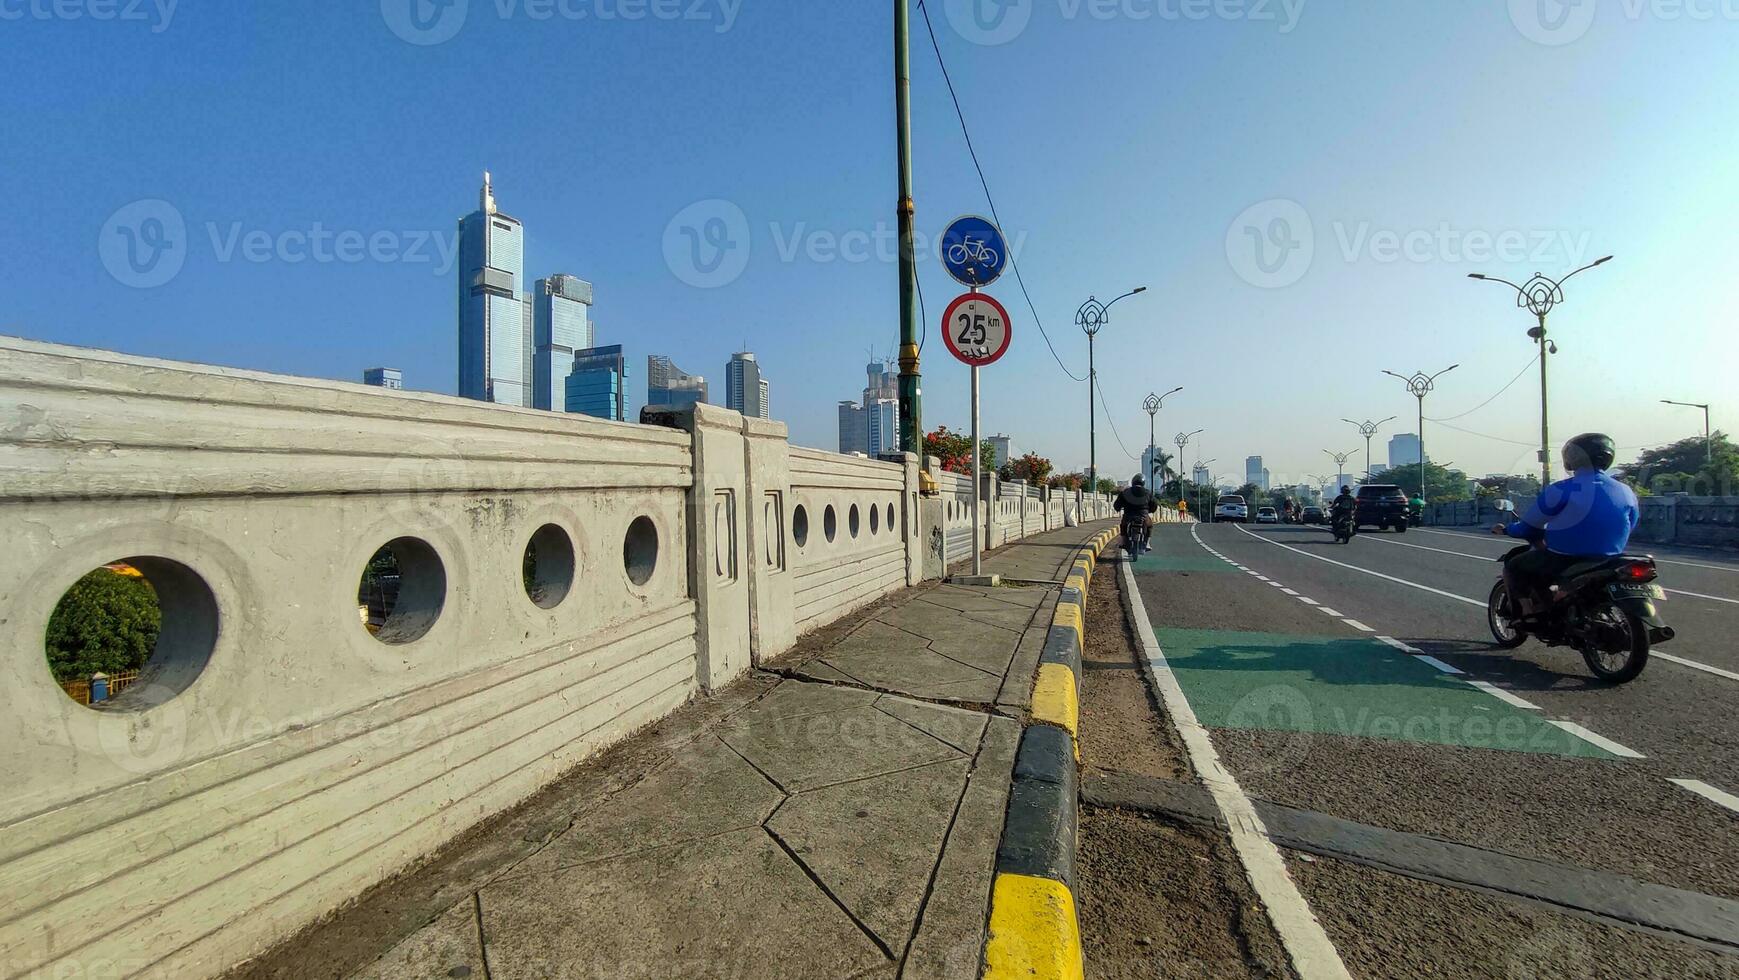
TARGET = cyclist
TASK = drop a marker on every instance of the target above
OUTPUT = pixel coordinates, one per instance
(1135, 503)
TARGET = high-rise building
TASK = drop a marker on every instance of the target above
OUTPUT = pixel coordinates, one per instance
(1404, 450)
(1201, 477)
(384, 377)
(1000, 444)
(745, 390)
(598, 384)
(560, 324)
(853, 428)
(667, 385)
(1253, 472)
(494, 312)
(882, 426)
(1152, 462)
(766, 399)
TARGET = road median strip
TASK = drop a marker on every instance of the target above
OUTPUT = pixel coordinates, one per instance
(1034, 929)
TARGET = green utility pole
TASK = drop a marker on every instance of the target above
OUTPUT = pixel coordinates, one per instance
(911, 383)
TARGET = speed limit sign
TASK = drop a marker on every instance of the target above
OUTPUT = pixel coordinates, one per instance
(976, 329)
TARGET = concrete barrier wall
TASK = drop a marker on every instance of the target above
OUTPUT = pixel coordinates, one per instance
(1695, 521)
(276, 758)
(854, 549)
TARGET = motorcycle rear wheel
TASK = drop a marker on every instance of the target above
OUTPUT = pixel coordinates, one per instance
(1628, 655)
(1500, 618)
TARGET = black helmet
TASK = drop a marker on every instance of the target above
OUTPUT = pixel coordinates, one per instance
(1138, 481)
(1590, 450)
(1346, 489)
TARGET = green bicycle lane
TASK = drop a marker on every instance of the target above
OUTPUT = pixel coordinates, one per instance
(1252, 657)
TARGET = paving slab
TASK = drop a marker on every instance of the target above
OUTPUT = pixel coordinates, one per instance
(450, 946)
(810, 751)
(921, 673)
(953, 726)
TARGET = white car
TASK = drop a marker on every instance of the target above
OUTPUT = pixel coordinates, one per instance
(1231, 507)
(1267, 515)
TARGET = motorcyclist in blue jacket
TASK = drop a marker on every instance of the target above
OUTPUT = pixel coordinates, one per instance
(1587, 515)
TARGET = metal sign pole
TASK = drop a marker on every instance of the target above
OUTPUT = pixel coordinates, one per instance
(978, 533)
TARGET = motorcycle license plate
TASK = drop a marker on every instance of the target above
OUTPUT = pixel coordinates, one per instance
(1647, 591)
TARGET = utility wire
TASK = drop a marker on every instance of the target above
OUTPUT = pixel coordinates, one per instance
(1493, 398)
(1112, 424)
(924, 9)
(1513, 442)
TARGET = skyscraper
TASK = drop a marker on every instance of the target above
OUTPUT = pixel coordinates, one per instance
(384, 377)
(853, 428)
(1201, 477)
(1404, 450)
(560, 324)
(598, 384)
(1253, 472)
(667, 384)
(745, 390)
(1001, 445)
(494, 316)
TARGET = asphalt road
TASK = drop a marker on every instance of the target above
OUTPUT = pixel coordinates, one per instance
(1360, 681)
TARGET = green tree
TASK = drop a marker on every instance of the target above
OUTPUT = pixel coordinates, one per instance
(1032, 468)
(106, 622)
(1442, 485)
(1693, 466)
(1107, 485)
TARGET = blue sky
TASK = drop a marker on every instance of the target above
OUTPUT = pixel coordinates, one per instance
(1406, 143)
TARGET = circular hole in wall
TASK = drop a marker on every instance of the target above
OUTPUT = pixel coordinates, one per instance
(800, 526)
(402, 590)
(131, 634)
(829, 523)
(890, 517)
(875, 521)
(548, 568)
(852, 520)
(640, 550)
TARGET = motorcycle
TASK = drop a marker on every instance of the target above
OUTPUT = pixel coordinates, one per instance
(1602, 607)
(1344, 528)
(1135, 534)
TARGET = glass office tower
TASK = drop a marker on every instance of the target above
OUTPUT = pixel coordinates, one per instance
(669, 385)
(598, 384)
(494, 317)
(561, 325)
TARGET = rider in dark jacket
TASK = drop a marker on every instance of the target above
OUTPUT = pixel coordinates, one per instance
(1345, 504)
(1136, 501)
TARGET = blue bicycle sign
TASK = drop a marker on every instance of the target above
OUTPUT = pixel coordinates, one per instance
(973, 251)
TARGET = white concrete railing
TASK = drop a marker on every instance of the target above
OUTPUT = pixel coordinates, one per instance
(276, 758)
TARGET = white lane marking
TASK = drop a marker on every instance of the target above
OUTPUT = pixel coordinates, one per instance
(1261, 578)
(1708, 792)
(1327, 611)
(1506, 697)
(1277, 585)
(1290, 591)
(1366, 571)
(1663, 561)
(1434, 662)
(1307, 600)
(1681, 661)
(1598, 741)
(1463, 554)
(1361, 627)
(1312, 952)
(1397, 644)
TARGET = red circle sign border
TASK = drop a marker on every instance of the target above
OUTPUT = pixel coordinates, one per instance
(1007, 328)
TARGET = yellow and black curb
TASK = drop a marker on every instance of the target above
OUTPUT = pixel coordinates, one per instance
(1033, 929)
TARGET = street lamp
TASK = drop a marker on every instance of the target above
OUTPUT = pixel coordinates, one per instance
(1367, 428)
(1183, 439)
(1092, 317)
(1708, 438)
(1200, 465)
(1340, 462)
(1422, 384)
(1152, 405)
(1538, 296)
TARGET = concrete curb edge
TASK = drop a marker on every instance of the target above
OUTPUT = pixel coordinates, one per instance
(1033, 931)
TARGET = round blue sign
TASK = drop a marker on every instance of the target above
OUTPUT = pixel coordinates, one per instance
(973, 251)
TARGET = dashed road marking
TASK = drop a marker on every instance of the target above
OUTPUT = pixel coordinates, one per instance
(1681, 661)
(1598, 741)
(1290, 591)
(1355, 624)
(1506, 697)
(1707, 792)
(1328, 612)
(1307, 600)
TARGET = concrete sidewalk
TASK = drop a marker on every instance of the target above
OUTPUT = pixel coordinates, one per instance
(835, 814)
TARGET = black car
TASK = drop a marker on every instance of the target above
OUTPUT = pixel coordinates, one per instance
(1382, 506)
(1311, 515)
